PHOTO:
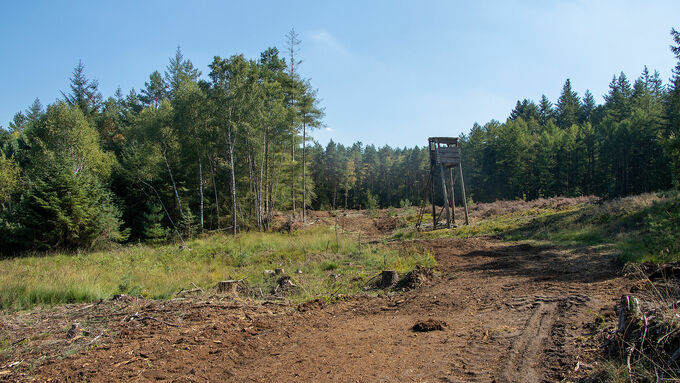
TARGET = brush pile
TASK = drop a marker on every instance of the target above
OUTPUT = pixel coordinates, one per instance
(647, 338)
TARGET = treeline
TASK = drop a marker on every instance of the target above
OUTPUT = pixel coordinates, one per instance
(184, 155)
(628, 145)
(367, 177)
(188, 154)
(577, 147)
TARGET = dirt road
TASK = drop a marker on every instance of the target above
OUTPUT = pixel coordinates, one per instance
(514, 313)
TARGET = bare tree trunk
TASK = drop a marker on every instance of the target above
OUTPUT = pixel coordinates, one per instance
(292, 152)
(217, 204)
(233, 180)
(174, 186)
(346, 192)
(260, 217)
(335, 193)
(304, 177)
(253, 188)
(267, 182)
(274, 189)
(200, 187)
(250, 181)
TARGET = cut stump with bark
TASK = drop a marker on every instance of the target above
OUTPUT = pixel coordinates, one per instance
(227, 287)
(389, 278)
(629, 313)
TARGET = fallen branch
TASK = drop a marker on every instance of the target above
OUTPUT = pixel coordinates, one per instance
(630, 370)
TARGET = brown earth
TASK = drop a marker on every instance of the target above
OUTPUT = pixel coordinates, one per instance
(513, 313)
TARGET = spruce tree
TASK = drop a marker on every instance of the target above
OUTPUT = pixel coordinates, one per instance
(84, 93)
(64, 210)
(672, 139)
(568, 107)
(545, 111)
(179, 70)
(587, 107)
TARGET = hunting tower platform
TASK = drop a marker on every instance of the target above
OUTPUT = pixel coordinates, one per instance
(445, 155)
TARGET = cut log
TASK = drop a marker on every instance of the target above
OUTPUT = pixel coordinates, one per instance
(227, 287)
(389, 278)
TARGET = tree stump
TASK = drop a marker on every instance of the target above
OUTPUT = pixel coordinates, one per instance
(228, 287)
(629, 312)
(389, 278)
(74, 331)
(279, 271)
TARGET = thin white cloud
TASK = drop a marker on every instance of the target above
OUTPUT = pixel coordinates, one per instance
(323, 37)
(328, 129)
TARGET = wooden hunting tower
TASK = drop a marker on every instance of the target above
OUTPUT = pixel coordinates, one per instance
(445, 155)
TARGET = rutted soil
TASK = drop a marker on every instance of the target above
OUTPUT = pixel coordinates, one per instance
(512, 313)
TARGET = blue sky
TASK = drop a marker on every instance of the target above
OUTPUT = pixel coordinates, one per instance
(388, 72)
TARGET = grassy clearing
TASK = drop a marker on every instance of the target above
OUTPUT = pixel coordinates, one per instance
(504, 225)
(160, 272)
(643, 228)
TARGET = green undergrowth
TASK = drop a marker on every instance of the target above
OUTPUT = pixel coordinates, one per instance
(642, 228)
(328, 266)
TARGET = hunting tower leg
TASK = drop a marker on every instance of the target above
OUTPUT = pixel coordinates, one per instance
(453, 197)
(462, 185)
(434, 210)
(446, 197)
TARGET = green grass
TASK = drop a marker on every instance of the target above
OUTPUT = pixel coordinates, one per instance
(658, 233)
(160, 272)
(511, 226)
(644, 228)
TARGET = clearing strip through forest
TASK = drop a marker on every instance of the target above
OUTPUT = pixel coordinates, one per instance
(513, 312)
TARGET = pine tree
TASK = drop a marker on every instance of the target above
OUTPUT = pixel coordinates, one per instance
(349, 178)
(310, 116)
(155, 90)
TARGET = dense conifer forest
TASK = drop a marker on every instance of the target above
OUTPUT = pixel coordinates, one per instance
(226, 150)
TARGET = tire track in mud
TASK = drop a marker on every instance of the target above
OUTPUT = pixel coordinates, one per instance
(543, 334)
(521, 366)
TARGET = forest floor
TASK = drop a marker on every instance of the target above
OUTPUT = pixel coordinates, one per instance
(500, 311)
